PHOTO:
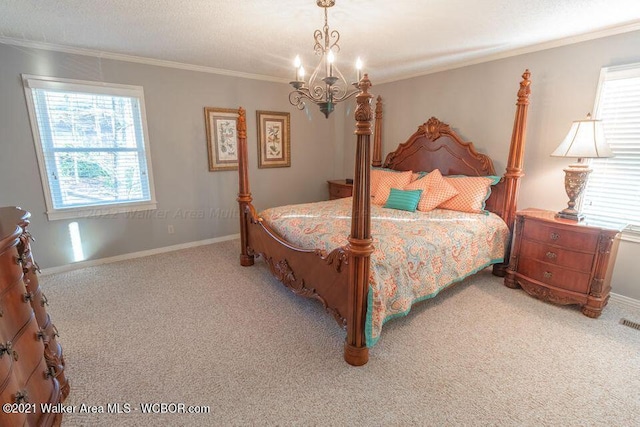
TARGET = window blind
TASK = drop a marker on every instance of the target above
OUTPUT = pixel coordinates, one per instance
(612, 196)
(91, 143)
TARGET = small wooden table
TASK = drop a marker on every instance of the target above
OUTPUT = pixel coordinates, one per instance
(562, 261)
(339, 188)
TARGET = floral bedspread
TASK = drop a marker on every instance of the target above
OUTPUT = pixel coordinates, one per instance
(416, 254)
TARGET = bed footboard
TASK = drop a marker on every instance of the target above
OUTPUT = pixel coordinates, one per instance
(308, 273)
(311, 273)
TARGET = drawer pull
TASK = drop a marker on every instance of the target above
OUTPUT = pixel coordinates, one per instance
(551, 255)
(547, 275)
(554, 236)
(7, 348)
(22, 396)
(50, 372)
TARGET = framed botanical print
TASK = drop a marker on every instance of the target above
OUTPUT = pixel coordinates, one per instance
(274, 140)
(222, 138)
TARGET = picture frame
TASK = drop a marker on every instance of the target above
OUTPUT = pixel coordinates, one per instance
(222, 138)
(274, 139)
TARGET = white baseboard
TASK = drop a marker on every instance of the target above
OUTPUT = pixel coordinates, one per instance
(626, 301)
(132, 255)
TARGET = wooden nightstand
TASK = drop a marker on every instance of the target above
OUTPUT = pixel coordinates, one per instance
(339, 189)
(562, 261)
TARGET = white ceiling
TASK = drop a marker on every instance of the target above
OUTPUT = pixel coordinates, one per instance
(394, 38)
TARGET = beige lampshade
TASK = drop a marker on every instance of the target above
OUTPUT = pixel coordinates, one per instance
(584, 140)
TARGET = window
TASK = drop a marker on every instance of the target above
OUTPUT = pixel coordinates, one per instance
(612, 197)
(92, 146)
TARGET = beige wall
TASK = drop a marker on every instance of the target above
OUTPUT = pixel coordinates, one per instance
(174, 102)
(478, 101)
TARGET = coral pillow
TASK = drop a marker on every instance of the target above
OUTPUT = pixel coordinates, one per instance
(386, 182)
(435, 190)
(377, 173)
(473, 192)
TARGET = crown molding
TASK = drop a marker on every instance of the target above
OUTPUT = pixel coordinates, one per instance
(137, 59)
(611, 31)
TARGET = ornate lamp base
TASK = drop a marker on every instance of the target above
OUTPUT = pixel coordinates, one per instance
(575, 180)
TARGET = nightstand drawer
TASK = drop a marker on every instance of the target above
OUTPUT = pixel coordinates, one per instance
(340, 192)
(339, 189)
(556, 255)
(555, 276)
(545, 233)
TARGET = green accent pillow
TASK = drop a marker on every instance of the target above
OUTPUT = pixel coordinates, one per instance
(406, 200)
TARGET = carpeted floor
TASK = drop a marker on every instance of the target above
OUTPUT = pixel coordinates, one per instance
(194, 327)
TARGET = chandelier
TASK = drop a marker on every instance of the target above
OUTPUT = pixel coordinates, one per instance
(325, 91)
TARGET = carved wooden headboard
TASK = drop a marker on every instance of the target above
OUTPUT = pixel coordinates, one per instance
(436, 146)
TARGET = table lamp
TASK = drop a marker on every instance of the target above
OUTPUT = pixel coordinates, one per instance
(585, 140)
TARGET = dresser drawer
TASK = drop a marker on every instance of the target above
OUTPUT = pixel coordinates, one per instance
(6, 372)
(40, 388)
(29, 349)
(37, 388)
(556, 255)
(554, 275)
(15, 310)
(10, 269)
(8, 395)
(547, 233)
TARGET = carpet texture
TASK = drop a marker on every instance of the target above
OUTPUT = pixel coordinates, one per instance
(194, 327)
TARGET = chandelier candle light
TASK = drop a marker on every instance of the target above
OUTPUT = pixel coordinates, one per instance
(333, 87)
(585, 140)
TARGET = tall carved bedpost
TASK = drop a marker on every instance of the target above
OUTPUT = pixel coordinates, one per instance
(244, 193)
(514, 164)
(360, 244)
(377, 136)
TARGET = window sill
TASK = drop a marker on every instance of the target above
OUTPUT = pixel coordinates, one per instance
(100, 211)
(630, 234)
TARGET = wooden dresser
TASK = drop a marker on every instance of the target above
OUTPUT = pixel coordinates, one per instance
(31, 362)
(562, 261)
(339, 188)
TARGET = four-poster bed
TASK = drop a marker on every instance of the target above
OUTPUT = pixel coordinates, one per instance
(339, 276)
